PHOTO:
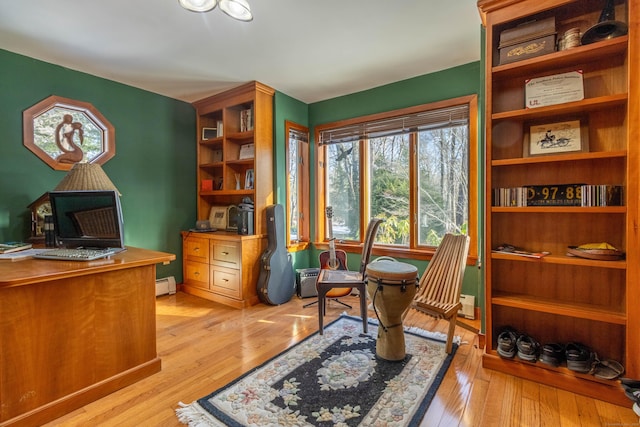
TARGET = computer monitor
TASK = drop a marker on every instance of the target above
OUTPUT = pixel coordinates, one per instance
(91, 219)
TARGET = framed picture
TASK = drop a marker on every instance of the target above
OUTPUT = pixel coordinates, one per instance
(218, 217)
(248, 180)
(209, 133)
(556, 138)
(247, 151)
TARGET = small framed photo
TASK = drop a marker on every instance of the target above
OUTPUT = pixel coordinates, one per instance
(556, 138)
(248, 180)
(247, 151)
(209, 133)
(218, 217)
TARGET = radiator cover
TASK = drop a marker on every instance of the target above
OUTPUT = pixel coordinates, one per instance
(166, 285)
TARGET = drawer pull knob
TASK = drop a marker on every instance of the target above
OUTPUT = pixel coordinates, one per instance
(225, 253)
(225, 280)
(197, 273)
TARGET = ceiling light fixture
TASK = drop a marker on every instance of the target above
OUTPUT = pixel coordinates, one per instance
(198, 5)
(237, 9)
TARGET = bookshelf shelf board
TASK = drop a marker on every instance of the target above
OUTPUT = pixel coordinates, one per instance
(575, 107)
(564, 58)
(563, 260)
(560, 158)
(214, 142)
(227, 193)
(561, 209)
(552, 306)
(241, 162)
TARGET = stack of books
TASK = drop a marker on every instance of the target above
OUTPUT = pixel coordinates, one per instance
(9, 247)
(602, 195)
(510, 197)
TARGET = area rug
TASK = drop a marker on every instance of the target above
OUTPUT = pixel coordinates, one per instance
(334, 379)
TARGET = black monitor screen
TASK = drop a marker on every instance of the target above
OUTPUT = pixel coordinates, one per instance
(91, 219)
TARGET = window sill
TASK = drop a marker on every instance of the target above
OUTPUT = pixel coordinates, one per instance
(381, 250)
(297, 247)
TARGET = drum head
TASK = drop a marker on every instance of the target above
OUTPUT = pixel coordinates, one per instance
(391, 270)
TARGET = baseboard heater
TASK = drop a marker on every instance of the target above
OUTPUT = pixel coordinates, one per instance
(166, 285)
(468, 306)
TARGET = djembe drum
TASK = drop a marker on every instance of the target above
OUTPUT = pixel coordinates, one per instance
(391, 286)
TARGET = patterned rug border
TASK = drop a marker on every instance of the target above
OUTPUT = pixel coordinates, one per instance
(194, 414)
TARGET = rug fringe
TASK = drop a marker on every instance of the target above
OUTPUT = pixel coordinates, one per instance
(193, 416)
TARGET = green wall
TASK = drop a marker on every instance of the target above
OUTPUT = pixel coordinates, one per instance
(287, 108)
(153, 166)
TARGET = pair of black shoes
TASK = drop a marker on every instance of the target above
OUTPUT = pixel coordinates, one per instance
(510, 343)
(578, 356)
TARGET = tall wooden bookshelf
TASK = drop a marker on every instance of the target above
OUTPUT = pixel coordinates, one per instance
(223, 266)
(559, 298)
(219, 156)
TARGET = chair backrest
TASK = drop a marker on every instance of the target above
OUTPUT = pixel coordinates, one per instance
(442, 279)
(369, 238)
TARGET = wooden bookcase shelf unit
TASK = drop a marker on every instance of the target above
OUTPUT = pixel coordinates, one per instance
(561, 298)
(218, 157)
(223, 266)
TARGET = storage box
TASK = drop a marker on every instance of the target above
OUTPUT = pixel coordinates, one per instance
(528, 40)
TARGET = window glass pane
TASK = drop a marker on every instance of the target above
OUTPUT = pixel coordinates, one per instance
(343, 189)
(389, 188)
(443, 190)
(293, 192)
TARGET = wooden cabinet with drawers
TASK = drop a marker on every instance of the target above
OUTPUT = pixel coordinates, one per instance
(222, 266)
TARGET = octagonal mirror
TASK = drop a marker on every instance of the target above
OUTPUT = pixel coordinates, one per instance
(62, 132)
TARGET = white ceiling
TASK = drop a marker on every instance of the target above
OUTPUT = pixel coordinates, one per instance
(311, 50)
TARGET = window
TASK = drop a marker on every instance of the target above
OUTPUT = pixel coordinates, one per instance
(297, 158)
(416, 168)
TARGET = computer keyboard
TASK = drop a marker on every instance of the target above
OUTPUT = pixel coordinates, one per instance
(77, 254)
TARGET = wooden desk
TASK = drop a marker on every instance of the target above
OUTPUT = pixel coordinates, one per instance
(73, 332)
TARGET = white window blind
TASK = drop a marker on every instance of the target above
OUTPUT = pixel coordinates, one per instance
(298, 135)
(427, 120)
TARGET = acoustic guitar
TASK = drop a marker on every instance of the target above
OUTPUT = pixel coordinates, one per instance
(333, 259)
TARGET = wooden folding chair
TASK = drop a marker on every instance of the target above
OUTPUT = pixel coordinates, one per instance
(441, 283)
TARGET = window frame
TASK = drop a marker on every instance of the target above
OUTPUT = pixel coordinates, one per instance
(413, 251)
(303, 148)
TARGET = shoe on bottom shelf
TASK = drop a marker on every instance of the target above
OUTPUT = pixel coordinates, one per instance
(630, 382)
(636, 409)
(528, 348)
(580, 358)
(552, 354)
(507, 343)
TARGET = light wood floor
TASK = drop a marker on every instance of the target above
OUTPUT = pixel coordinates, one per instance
(204, 345)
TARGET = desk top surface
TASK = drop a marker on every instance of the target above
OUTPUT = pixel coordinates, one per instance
(27, 271)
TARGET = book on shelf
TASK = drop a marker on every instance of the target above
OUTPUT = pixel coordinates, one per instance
(510, 197)
(246, 120)
(8, 247)
(585, 195)
(602, 195)
(506, 248)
